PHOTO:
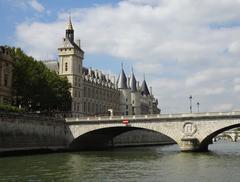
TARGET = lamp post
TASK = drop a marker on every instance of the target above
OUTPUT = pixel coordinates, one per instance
(190, 100)
(198, 104)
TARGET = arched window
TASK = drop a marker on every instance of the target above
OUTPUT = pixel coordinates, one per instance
(66, 66)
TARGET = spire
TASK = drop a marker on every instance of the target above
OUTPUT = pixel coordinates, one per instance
(122, 80)
(133, 82)
(69, 26)
(144, 88)
(69, 30)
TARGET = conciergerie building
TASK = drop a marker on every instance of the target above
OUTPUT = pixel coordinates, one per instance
(95, 93)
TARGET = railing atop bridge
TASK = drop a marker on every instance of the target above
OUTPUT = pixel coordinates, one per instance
(154, 116)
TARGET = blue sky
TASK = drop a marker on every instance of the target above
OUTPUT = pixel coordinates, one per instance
(14, 12)
(187, 47)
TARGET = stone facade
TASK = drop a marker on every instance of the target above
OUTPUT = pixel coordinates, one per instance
(6, 66)
(95, 93)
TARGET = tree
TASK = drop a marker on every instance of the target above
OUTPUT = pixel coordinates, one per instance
(36, 88)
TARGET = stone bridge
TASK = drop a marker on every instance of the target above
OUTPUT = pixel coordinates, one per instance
(233, 135)
(192, 132)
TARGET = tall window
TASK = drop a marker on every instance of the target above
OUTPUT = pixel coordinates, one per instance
(89, 107)
(5, 80)
(66, 66)
(84, 92)
(84, 106)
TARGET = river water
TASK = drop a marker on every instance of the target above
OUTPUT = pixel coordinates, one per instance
(159, 163)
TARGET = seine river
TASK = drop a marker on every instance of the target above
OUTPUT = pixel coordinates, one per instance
(161, 163)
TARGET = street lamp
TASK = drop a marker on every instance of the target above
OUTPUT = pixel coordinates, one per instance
(198, 104)
(190, 99)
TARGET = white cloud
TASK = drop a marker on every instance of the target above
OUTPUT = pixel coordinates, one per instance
(25, 4)
(150, 68)
(223, 107)
(36, 5)
(39, 39)
(185, 47)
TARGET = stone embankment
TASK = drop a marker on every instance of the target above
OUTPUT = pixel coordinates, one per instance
(20, 132)
(30, 132)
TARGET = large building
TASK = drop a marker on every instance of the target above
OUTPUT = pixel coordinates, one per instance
(95, 93)
(6, 65)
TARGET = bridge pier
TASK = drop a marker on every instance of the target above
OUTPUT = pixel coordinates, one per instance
(234, 136)
(191, 145)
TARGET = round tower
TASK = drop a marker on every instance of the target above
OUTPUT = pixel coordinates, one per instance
(135, 96)
(125, 94)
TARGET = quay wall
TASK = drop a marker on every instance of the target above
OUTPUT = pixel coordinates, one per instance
(32, 132)
(24, 132)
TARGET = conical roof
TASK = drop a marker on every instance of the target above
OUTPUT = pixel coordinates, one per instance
(144, 88)
(133, 83)
(122, 80)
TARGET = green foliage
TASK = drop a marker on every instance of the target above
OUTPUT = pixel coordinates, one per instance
(36, 88)
(9, 108)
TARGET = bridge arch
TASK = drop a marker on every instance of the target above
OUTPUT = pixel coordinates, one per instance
(209, 138)
(103, 137)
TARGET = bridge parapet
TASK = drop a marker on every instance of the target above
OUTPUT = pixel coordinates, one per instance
(156, 116)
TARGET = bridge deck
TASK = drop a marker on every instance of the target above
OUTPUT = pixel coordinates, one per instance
(157, 116)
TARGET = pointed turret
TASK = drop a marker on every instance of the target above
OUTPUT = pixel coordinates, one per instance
(144, 88)
(133, 83)
(70, 31)
(122, 80)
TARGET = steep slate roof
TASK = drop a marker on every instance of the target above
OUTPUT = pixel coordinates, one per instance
(52, 65)
(122, 80)
(144, 88)
(133, 83)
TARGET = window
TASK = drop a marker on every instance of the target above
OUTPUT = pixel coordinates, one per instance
(89, 93)
(74, 107)
(66, 66)
(5, 80)
(97, 108)
(84, 91)
(126, 107)
(88, 107)
(84, 106)
(93, 108)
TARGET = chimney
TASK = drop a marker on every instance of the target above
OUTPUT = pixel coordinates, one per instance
(100, 74)
(90, 71)
(112, 79)
(78, 43)
(96, 73)
(150, 90)
(128, 82)
(138, 87)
